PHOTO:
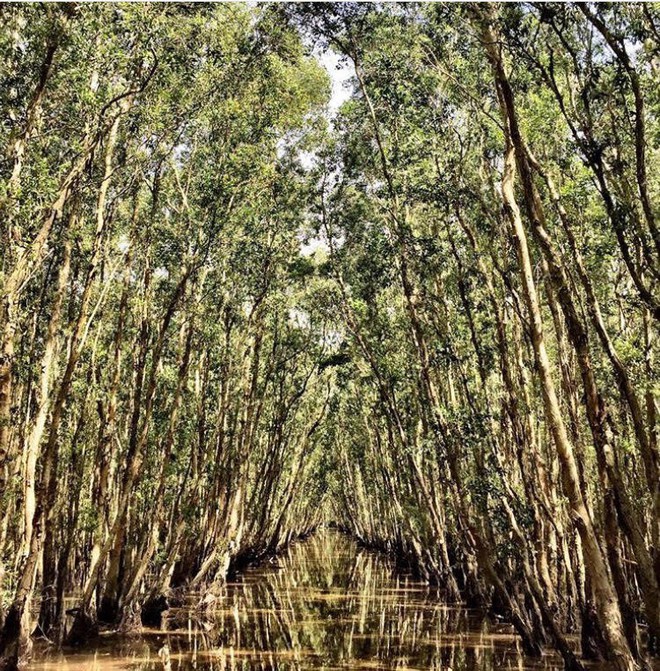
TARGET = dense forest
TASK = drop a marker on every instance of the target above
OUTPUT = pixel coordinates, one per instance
(430, 318)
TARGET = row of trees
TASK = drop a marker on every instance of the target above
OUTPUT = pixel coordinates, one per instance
(467, 362)
(159, 400)
(490, 204)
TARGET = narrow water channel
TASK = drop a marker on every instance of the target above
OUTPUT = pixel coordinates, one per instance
(325, 604)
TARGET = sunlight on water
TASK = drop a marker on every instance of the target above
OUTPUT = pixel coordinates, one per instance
(326, 604)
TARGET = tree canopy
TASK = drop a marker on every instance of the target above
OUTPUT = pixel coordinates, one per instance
(432, 318)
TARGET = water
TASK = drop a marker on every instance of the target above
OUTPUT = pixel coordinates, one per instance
(326, 604)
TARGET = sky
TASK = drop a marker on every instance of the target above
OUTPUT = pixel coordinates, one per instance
(340, 72)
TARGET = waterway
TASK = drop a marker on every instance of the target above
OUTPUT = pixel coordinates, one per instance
(325, 604)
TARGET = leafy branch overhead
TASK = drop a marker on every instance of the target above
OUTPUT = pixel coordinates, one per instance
(415, 293)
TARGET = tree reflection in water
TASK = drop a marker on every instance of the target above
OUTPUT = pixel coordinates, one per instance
(326, 604)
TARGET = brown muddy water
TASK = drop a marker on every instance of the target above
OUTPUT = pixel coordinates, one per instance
(325, 604)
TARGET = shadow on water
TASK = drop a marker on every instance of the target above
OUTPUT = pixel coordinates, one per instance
(325, 604)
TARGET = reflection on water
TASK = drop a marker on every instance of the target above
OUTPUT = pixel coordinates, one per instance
(326, 604)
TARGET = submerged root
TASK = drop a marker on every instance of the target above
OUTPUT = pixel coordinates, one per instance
(84, 628)
(131, 621)
(211, 595)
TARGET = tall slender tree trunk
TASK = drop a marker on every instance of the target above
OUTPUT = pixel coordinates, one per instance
(606, 598)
